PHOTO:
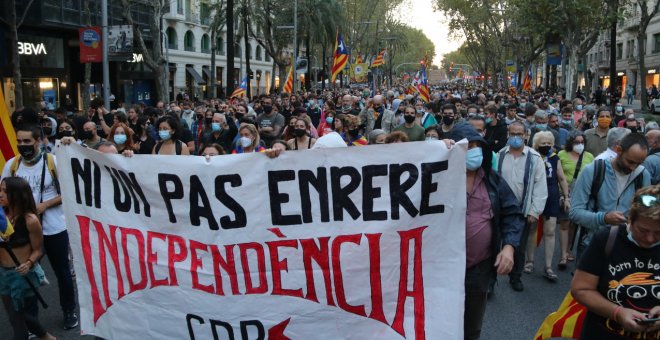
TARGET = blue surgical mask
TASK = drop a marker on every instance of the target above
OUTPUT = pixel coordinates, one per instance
(516, 142)
(541, 126)
(120, 139)
(164, 134)
(489, 120)
(578, 107)
(635, 242)
(216, 127)
(474, 158)
(568, 122)
(329, 120)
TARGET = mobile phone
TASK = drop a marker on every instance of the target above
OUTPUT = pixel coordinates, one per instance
(647, 321)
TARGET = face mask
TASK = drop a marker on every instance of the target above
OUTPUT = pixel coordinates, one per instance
(489, 120)
(447, 120)
(409, 119)
(522, 105)
(633, 129)
(354, 132)
(246, 142)
(635, 242)
(208, 121)
(578, 107)
(216, 127)
(268, 109)
(164, 134)
(329, 120)
(541, 126)
(619, 109)
(346, 108)
(378, 107)
(579, 148)
(568, 122)
(119, 139)
(87, 135)
(604, 122)
(474, 159)
(545, 150)
(187, 111)
(47, 131)
(27, 152)
(515, 142)
(65, 133)
(299, 132)
(428, 139)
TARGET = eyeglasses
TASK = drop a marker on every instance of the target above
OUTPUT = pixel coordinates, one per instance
(648, 200)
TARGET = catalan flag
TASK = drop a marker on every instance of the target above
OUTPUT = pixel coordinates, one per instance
(6, 229)
(8, 147)
(527, 83)
(240, 90)
(380, 59)
(340, 57)
(288, 85)
(423, 86)
(566, 322)
(359, 59)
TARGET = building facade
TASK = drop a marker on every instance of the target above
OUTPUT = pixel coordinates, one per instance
(627, 65)
(188, 44)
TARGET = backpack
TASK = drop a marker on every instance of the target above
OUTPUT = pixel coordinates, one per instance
(599, 176)
(50, 163)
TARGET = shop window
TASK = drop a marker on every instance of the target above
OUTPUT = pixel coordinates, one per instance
(206, 44)
(179, 7)
(189, 41)
(171, 38)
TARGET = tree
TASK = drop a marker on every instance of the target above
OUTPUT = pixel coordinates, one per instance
(14, 21)
(153, 57)
(413, 51)
(215, 28)
(645, 18)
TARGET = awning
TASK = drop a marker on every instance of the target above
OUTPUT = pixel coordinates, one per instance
(207, 72)
(196, 76)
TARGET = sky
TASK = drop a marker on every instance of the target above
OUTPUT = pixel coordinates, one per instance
(419, 14)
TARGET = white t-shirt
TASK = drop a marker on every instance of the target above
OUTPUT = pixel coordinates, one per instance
(53, 218)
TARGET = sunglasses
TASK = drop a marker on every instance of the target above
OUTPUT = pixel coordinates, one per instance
(648, 200)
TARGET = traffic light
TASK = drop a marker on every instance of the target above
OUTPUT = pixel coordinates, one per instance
(251, 74)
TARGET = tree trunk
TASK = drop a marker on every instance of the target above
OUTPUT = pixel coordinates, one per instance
(248, 53)
(613, 62)
(229, 85)
(308, 74)
(283, 75)
(88, 66)
(272, 79)
(575, 62)
(641, 71)
(16, 61)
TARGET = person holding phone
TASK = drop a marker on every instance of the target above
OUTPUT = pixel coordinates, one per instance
(618, 277)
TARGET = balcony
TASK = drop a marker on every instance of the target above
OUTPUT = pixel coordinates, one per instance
(192, 18)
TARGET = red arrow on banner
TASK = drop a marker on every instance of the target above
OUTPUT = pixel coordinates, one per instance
(277, 332)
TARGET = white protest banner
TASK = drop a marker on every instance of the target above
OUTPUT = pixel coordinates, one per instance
(357, 243)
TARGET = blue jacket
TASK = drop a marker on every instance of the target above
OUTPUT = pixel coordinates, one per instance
(582, 205)
(652, 165)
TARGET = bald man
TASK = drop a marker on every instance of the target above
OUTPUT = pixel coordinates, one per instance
(652, 162)
(376, 116)
(347, 106)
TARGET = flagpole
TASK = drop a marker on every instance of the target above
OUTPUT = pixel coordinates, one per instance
(295, 40)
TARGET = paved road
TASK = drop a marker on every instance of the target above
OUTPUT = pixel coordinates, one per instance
(509, 315)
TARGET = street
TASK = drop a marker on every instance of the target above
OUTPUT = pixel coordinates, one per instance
(509, 314)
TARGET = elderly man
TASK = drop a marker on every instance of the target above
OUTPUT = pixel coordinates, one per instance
(376, 116)
(614, 137)
(652, 162)
(223, 131)
(347, 107)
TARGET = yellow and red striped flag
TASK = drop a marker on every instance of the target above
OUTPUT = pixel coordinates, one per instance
(423, 86)
(359, 59)
(8, 147)
(340, 57)
(380, 59)
(288, 85)
(527, 84)
(240, 90)
(566, 322)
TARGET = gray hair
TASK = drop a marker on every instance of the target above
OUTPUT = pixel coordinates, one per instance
(541, 114)
(650, 126)
(374, 134)
(615, 135)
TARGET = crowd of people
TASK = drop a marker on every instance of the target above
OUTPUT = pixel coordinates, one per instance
(536, 163)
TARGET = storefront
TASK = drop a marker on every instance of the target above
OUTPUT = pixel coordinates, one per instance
(44, 79)
(653, 77)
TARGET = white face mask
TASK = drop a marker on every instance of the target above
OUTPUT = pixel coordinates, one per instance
(246, 142)
(579, 148)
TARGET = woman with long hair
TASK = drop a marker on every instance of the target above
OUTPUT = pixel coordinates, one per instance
(122, 136)
(25, 242)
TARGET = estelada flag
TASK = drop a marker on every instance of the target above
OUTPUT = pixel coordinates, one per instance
(340, 57)
(527, 84)
(380, 59)
(566, 322)
(240, 91)
(8, 147)
(6, 229)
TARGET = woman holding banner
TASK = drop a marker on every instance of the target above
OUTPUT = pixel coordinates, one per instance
(618, 277)
(20, 272)
(494, 224)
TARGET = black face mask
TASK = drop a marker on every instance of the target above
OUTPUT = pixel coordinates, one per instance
(268, 109)
(447, 120)
(409, 119)
(87, 135)
(544, 150)
(47, 131)
(65, 133)
(299, 132)
(633, 129)
(378, 107)
(26, 151)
